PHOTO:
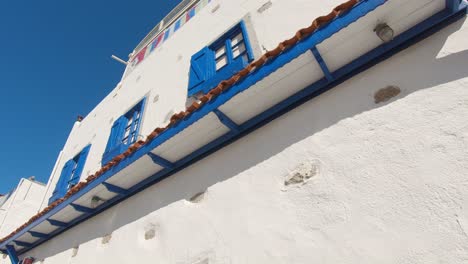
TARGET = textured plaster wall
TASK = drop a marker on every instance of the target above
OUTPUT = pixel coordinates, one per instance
(373, 171)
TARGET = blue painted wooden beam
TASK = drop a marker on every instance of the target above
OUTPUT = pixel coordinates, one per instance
(226, 121)
(22, 244)
(322, 64)
(38, 234)
(82, 209)
(161, 161)
(57, 223)
(12, 254)
(115, 189)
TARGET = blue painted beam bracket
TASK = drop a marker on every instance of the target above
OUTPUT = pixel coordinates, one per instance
(37, 234)
(227, 121)
(82, 209)
(415, 34)
(57, 223)
(22, 244)
(115, 189)
(161, 161)
(12, 254)
(322, 64)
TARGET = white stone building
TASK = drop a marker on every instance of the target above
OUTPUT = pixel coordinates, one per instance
(20, 204)
(347, 143)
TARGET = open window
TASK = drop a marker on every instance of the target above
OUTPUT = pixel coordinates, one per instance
(124, 132)
(70, 175)
(220, 60)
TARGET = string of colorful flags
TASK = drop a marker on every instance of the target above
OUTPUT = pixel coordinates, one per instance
(166, 34)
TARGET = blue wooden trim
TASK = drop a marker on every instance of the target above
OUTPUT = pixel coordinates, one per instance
(223, 118)
(115, 189)
(161, 161)
(22, 244)
(322, 64)
(247, 44)
(229, 53)
(57, 223)
(412, 36)
(12, 254)
(82, 209)
(38, 234)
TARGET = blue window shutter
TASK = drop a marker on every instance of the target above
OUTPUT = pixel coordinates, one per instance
(201, 67)
(61, 186)
(115, 139)
(116, 133)
(79, 167)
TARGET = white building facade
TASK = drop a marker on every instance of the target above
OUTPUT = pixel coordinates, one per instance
(20, 204)
(347, 143)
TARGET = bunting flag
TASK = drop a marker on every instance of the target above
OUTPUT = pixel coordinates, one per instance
(157, 41)
(139, 57)
(164, 35)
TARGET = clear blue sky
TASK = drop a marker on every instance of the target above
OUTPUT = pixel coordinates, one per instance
(55, 65)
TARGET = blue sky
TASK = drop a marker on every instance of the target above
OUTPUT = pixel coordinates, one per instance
(56, 65)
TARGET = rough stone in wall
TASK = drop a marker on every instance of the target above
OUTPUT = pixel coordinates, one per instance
(264, 7)
(386, 94)
(197, 197)
(106, 239)
(150, 231)
(302, 173)
(75, 251)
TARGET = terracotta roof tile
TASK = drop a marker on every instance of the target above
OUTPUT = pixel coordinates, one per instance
(222, 86)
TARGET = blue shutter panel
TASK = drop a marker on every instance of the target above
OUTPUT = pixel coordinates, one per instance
(115, 139)
(201, 68)
(116, 133)
(79, 168)
(61, 186)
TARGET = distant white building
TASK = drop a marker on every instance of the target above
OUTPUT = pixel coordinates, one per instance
(20, 204)
(270, 131)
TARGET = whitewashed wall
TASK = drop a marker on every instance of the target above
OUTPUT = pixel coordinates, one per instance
(387, 181)
(163, 77)
(381, 182)
(23, 203)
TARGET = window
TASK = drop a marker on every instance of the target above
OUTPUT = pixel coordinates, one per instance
(220, 60)
(124, 132)
(70, 175)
